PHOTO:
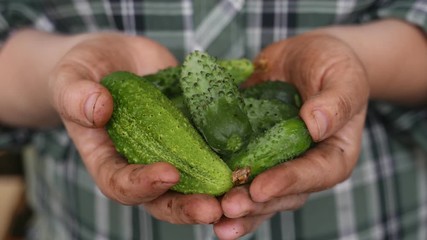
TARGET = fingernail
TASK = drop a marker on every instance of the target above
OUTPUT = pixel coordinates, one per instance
(90, 106)
(322, 124)
(163, 185)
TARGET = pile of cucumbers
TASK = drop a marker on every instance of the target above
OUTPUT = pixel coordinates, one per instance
(197, 118)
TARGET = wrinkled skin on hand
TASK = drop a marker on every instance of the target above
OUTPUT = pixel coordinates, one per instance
(85, 106)
(334, 87)
(327, 73)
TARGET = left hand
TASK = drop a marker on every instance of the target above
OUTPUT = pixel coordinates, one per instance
(85, 106)
(334, 87)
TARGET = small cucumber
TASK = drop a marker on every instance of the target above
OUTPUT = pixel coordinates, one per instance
(179, 102)
(239, 69)
(265, 113)
(146, 127)
(283, 91)
(285, 140)
(167, 80)
(215, 103)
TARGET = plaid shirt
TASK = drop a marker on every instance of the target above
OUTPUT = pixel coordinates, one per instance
(385, 197)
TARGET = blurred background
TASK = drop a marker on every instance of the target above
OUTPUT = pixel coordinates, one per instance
(14, 211)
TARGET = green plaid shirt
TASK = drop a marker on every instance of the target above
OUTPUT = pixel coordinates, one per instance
(385, 197)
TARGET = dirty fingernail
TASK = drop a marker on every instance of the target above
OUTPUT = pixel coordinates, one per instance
(322, 124)
(89, 107)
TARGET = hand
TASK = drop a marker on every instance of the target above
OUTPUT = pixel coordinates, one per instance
(334, 87)
(85, 106)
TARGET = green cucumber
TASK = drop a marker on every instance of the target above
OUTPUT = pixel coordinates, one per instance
(146, 128)
(215, 103)
(287, 139)
(179, 102)
(240, 69)
(265, 113)
(283, 91)
(167, 80)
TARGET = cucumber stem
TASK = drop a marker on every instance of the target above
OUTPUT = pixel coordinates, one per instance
(241, 176)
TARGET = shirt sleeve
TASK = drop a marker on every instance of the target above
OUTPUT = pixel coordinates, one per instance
(15, 15)
(18, 14)
(404, 123)
(412, 11)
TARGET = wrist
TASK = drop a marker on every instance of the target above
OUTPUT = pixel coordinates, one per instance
(394, 54)
(26, 60)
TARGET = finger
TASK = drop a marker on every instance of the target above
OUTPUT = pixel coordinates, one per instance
(136, 184)
(124, 183)
(81, 101)
(238, 203)
(343, 94)
(232, 229)
(327, 73)
(74, 84)
(331, 79)
(322, 167)
(268, 65)
(178, 208)
(85, 107)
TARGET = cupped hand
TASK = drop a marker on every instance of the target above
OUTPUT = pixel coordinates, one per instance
(85, 106)
(334, 87)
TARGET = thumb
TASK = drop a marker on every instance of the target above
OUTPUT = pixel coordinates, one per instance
(84, 102)
(333, 106)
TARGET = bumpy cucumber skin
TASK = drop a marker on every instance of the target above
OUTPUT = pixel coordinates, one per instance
(146, 127)
(283, 91)
(167, 80)
(215, 103)
(265, 113)
(239, 69)
(285, 140)
(179, 103)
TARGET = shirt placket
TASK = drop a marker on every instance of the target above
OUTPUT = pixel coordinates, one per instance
(219, 16)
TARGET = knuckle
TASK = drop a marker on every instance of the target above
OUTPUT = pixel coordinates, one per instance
(163, 210)
(193, 215)
(173, 212)
(344, 107)
(292, 178)
(183, 209)
(117, 190)
(133, 177)
(339, 165)
(180, 212)
(120, 192)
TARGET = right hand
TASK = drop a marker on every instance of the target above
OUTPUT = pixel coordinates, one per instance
(333, 84)
(85, 106)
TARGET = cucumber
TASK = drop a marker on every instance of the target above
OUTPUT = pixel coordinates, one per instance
(167, 80)
(178, 101)
(262, 113)
(265, 113)
(287, 139)
(215, 103)
(283, 91)
(146, 128)
(239, 69)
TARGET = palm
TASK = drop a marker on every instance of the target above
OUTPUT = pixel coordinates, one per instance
(85, 106)
(334, 88)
